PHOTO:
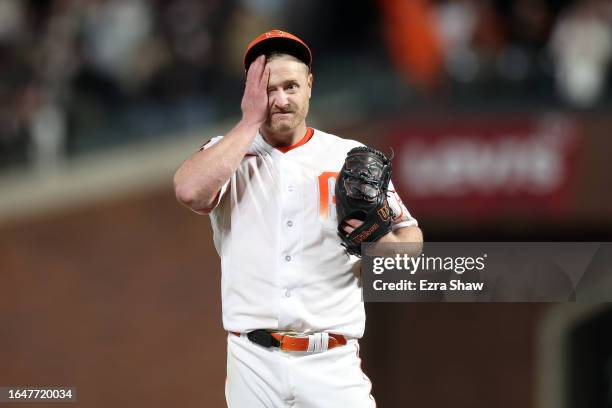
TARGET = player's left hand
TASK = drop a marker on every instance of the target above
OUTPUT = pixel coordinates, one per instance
(351, 224)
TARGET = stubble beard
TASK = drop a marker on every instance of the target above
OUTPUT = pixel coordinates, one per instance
(285, 125)
(280, 126)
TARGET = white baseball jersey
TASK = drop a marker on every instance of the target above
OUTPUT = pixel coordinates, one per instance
(275, 229)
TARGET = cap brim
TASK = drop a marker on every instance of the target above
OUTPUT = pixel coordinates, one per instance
(278, 44)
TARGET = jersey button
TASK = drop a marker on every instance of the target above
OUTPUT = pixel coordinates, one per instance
(288, 258)
(287, 293)
(290, 223)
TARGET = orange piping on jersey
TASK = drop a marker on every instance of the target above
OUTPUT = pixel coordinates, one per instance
(303, 141)
(324, 198)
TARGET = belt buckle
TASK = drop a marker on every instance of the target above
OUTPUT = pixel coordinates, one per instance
(289, 333)
(284, 333)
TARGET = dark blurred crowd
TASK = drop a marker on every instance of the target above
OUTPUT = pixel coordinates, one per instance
(520, 41)
(76, 74)
(69, 68)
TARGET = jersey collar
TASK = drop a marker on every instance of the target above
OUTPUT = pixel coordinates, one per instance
(301, 142)
(260, 146)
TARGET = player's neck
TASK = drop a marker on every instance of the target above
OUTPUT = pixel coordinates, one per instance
(290, 138)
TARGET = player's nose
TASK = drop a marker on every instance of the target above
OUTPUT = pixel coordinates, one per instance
(281, 100)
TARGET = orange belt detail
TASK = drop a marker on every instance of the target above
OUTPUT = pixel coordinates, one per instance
(300, 343)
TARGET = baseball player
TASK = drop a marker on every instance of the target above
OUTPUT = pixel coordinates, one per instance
(291, 303)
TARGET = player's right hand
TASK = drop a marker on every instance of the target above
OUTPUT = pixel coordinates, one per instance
(255, 99)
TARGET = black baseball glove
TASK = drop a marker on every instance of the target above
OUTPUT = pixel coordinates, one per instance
(361, 193)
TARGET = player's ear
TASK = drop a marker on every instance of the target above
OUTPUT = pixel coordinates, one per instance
(309, 82)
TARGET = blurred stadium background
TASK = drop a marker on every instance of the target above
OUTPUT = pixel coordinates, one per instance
(499, 113)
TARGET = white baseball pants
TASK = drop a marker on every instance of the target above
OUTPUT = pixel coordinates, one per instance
(259, 377)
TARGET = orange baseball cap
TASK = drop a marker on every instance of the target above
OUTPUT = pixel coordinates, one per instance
(277, 40)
